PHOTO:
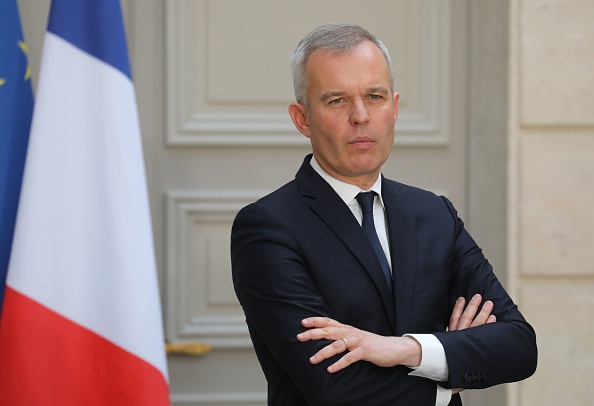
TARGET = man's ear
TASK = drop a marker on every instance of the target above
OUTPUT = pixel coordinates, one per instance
(300, 118)
(396, 100)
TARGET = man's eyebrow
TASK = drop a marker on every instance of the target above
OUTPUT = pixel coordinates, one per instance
(337, 93)
(331, 94)
(378, 89)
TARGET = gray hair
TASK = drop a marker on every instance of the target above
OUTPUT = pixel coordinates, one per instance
(339, 38)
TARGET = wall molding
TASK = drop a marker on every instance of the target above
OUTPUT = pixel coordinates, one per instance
(194, 218)
(192, 121)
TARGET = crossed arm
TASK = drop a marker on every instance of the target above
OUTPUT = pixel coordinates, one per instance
(380, 350)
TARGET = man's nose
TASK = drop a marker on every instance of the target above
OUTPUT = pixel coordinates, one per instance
(359, 114)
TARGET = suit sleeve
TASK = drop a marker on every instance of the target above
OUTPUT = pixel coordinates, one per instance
(274, 286)
(494, 353)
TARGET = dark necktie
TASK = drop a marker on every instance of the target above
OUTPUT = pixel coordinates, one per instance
(365, 200)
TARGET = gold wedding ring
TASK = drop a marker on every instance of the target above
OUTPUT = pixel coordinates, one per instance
(346, 343)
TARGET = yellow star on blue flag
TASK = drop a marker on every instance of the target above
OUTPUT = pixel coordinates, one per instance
(16, 108)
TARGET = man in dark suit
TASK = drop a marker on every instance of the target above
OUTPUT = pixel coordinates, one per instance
(359, 290)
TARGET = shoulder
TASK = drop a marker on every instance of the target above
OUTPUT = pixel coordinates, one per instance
(410, 194)
(280, 198)
(423, 202)
(277, 204)
(277, 219)
(408, 190)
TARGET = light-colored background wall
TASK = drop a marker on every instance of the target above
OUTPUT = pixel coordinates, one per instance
(551, 192)
(512, 133)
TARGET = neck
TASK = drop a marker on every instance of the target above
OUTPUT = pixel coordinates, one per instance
(363, 182)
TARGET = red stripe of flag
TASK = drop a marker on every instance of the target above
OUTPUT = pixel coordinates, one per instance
(48, 359)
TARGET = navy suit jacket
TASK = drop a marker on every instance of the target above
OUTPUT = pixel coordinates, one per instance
(300, 252)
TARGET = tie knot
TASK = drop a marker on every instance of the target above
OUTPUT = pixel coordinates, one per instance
(365, 200)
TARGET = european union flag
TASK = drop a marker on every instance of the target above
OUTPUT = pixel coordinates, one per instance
(16, 108)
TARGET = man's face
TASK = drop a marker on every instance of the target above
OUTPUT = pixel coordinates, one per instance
(352, 113)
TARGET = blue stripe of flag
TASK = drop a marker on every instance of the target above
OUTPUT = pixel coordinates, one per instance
(96, 27)
(16, 108)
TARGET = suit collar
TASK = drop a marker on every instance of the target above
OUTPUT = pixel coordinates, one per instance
(324, 201)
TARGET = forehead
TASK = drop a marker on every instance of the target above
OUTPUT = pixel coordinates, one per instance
(365, 63)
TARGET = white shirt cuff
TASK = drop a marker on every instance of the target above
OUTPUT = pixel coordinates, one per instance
(434, 364)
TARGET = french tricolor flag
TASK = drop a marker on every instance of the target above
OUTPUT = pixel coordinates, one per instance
(81, 320)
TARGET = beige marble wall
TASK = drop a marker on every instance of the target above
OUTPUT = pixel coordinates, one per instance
(551, 193)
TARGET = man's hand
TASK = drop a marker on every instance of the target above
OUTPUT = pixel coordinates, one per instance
(380, 350)
(361, 345)
(464, 318)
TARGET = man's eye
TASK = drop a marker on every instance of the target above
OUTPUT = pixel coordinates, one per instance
(336, 101)
(375, 97)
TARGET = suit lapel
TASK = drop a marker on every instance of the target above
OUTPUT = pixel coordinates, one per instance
(402, 234)
(332, 210)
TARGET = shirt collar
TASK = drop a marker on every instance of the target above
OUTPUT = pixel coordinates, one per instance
(346, 191)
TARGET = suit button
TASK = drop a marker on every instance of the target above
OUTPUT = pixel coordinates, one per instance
(467, 378)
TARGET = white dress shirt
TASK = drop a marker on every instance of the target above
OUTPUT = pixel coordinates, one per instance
(433, 359)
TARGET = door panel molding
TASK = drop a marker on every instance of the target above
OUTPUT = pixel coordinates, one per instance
(212, 102)
(200, 301)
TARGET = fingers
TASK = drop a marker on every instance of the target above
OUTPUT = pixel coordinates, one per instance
(336, 347)
(323, 328)
(456, 314)
(342, 363)
(463, 318)
(320, 334)
(342, 336)
(470, 311)
(318, 322)
(332, 349)
(483, 315)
